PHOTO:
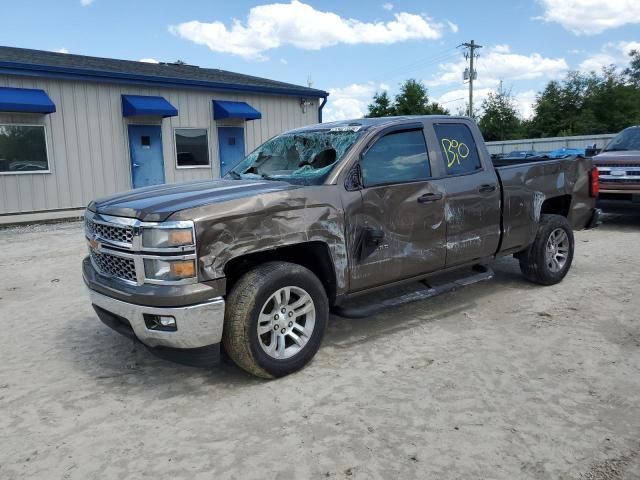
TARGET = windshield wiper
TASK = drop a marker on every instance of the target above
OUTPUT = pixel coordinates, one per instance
(234, 174)
(616, 149)
(267, 177)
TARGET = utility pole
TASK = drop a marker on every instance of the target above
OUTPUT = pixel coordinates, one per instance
(470, 73)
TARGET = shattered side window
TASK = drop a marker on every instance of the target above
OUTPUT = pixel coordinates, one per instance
(304, 157)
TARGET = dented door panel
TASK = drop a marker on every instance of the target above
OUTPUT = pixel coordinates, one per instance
(414, 233)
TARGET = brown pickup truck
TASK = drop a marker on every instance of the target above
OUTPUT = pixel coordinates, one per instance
(619, 169)
(314, 218)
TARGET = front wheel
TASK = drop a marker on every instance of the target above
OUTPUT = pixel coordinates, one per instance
(275, 319)
(549, 257)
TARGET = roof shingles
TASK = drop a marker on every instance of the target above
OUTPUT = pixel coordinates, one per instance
(20, 58)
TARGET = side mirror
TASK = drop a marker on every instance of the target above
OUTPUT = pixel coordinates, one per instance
(354, 179)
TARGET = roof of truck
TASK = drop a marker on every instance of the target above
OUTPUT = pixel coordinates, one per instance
(365, 123)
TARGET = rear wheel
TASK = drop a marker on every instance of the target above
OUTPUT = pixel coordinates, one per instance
(549, 257)
(276, 316)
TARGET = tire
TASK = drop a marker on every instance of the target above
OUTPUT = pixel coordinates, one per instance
(537, 264)
(255, 301)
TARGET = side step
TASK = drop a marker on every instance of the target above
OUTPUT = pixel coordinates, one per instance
(362, 311)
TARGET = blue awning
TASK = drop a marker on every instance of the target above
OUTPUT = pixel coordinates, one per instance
(135, 105)
(25, 100)
(240, 110)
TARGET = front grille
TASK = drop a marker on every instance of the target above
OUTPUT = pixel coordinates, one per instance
(114, 266)
(113, 233)
(618, 165)
(631, 181)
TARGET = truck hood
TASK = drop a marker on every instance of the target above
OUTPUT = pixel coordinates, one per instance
(157, 203)
(623, 156)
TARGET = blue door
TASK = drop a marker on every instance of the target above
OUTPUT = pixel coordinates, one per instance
(147, 166)
(231, 143)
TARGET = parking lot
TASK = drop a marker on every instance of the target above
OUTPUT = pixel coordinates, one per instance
(504, 379)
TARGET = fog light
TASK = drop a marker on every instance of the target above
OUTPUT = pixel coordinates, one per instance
(161, 323)
(167, 321)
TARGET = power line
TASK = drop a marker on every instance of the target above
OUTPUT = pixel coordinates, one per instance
(422, 62)
(449, 101)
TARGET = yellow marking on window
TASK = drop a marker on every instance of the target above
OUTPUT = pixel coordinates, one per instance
(454, 150)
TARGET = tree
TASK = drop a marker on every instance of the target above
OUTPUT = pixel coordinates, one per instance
(381, 106)
(584, 104)
(632, 72)
(499, 120)
(412, 99)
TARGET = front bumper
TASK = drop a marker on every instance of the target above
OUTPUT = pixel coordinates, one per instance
(196, 340)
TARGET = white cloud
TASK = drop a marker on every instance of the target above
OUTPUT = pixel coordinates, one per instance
(387, 6)
(524, 101)
(62, 50)
(453, 27)
(149, 60)
(86, 3)
(589, 17)
(626, 47)
(499, 63)
(302, 26)
(350, 101)
(456, 100)
(610, 54)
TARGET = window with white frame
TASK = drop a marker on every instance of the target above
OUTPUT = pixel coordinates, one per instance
(23, 149)
(192, 147)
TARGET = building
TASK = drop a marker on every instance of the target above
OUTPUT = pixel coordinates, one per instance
(74, 128)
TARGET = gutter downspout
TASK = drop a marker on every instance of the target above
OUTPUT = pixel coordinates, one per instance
(324, 102)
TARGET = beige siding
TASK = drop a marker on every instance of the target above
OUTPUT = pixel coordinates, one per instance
(88, 145)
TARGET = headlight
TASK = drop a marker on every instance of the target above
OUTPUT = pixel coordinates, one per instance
(169, 270)
(167, 237)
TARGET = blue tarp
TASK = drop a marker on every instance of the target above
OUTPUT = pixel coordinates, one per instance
(239, 110)
(565, 152)
(135, 105)
(25, 100)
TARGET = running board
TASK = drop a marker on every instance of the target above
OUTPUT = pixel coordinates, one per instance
(484, 273)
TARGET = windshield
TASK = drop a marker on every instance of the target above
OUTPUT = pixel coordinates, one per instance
(303, 158)
(628, 139)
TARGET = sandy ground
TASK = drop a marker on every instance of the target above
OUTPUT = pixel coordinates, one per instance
(503, 379)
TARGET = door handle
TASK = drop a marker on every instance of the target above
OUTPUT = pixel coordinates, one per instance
(429, 197)
(136, 165)
(490, 187)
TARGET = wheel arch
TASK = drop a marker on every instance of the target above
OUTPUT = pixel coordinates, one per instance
(559, 205)
(314, 255)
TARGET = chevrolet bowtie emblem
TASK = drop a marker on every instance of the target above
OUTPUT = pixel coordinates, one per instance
(95, 244)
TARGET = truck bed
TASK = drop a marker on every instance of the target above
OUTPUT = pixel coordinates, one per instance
(531, 186)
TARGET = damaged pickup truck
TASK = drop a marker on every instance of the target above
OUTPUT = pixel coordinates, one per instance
(313, 218)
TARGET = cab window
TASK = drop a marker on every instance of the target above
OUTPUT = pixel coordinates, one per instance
(397, 157)
(458, 148)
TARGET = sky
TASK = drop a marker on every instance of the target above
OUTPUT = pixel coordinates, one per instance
(351, 49)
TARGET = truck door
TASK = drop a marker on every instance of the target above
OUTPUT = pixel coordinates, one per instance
(472, 205)
(399, 226)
